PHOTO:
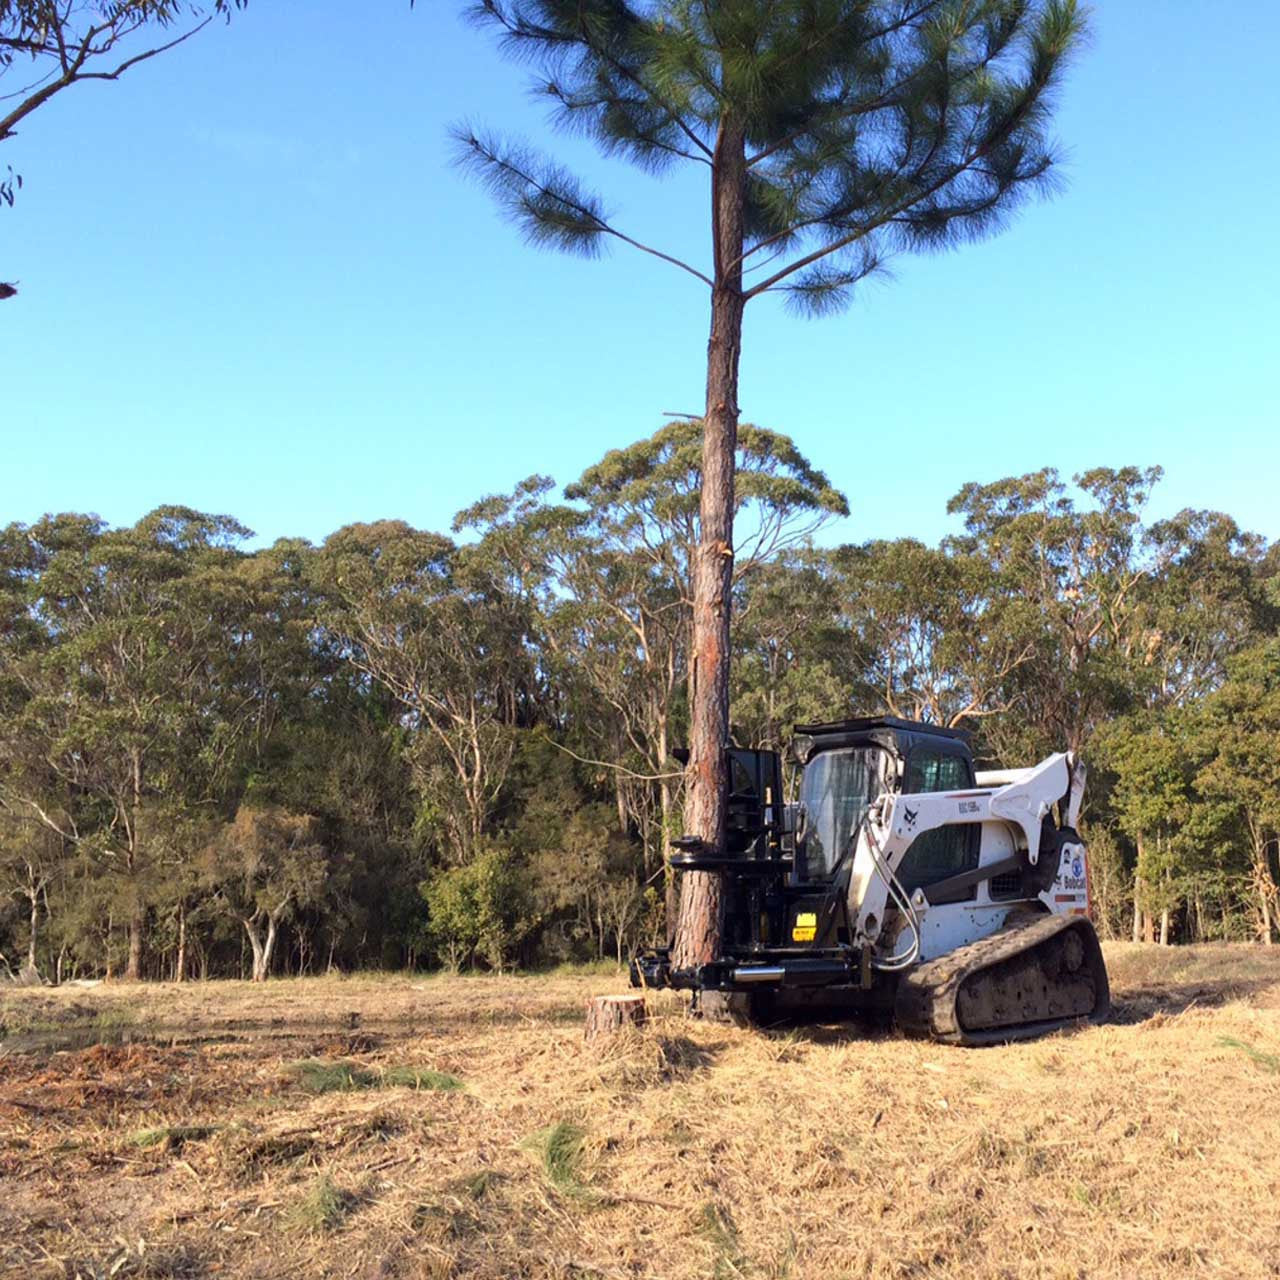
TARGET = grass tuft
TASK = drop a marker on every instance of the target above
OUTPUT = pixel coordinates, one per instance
(559, 1147)
(173, 1136)
(717, 1227)
(1267, 1061)
(318, 1075)
(324, 1207)
(419, 1078)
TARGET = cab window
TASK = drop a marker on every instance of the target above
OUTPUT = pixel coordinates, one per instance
(934, 771)
(944, 851)
(835, 791)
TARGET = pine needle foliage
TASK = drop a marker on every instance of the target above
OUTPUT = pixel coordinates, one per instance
(559, 1148)
(869, 127)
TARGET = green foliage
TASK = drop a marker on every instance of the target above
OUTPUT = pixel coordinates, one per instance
(717, 1227)
(323, 1075)
(846, 130)
(399, 748)
(479, 911)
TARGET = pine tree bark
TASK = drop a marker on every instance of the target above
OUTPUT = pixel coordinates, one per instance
(697, 939)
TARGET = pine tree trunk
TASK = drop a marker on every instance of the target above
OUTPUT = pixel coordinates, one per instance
(1164, 927)
(697, 939)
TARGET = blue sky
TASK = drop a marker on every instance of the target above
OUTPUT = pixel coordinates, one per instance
(252, 283)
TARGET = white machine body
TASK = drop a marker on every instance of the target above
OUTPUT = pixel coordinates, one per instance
(1010, 807)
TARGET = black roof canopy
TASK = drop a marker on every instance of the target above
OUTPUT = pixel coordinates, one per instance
(892, 732)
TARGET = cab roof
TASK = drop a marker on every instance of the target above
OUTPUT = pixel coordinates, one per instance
(892, 732)
(879, 722)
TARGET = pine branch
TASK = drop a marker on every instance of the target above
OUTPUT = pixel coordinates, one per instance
(521, 30)
(549, 206)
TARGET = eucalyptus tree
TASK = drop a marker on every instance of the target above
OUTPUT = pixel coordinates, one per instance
(265, 866)
(631, 574)
(941, 634)
(131, 700)
(430, 623)
(620, 555)
(47, 46)
(794, 659)
(1071, 575)
(832, 133)
(31, 859)
(1244, 772)
(1204, 601)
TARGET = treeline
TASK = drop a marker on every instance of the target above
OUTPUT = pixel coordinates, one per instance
(402, 748)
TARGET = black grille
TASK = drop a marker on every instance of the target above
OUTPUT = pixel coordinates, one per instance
(1008, 885)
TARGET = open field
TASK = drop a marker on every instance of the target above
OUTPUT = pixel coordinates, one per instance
(437, 1127)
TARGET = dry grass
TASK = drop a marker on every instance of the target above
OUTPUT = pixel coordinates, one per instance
(1149, 1146)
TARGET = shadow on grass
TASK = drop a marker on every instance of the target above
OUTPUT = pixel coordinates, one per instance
(1139, 1004)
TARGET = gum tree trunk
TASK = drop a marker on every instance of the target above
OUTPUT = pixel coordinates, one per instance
(255, 941)
(35, 927)
(180, 965)
(697, 937)
(137, 920)
(137, 925)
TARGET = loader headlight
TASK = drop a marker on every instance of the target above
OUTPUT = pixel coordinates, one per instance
(802, 748)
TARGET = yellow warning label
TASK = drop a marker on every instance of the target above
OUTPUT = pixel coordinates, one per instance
(806, 927)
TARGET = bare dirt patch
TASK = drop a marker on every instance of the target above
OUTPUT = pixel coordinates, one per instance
(313, 1128)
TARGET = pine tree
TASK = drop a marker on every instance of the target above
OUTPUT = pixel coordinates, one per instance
(834, 133)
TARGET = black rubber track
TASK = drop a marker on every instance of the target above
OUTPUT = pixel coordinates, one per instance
(928, 996)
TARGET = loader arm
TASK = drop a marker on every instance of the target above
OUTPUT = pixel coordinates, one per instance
(1016, 810)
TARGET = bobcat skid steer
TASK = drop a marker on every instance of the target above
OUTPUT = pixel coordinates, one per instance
(903, 882)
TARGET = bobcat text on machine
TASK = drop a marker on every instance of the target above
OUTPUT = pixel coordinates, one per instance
(903, 881)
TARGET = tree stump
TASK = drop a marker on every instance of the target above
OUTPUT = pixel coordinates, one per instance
(608, 1015)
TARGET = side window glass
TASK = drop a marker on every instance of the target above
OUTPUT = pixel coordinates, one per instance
(933, 771)
(944, 851)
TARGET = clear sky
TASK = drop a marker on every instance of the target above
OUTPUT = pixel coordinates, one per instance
(252, 283)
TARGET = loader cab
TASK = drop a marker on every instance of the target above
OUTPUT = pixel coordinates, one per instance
(848, 763)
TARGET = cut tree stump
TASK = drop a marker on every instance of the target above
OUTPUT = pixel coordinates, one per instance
(607, 1015)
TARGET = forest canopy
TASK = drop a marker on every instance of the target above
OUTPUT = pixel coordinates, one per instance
(404, 747)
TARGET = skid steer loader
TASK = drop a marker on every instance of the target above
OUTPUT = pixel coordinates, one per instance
(902, 882)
